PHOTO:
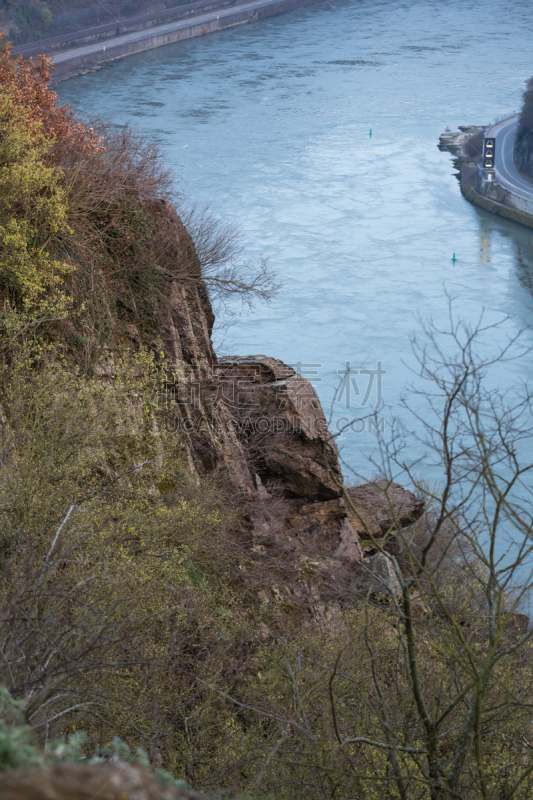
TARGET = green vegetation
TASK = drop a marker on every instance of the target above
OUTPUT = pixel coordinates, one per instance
(524, 134)
(119, 558)
(132, 600)
(19, 748)
(32, 20)
(33, 208)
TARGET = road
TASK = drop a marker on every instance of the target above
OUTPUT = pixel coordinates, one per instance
(224, 15)
(504, 133)
(118, 27)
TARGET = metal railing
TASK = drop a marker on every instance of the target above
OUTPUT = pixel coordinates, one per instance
(510, 188)
(499, 121)
(501, 181)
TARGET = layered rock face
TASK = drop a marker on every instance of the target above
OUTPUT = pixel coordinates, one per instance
(282, 429)
(185, 321)
(262, 423)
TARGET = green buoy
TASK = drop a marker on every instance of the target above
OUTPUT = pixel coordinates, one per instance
(370, 133)
(454, 258)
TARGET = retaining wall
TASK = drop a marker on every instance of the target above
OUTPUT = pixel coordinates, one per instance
(495, 198)
(116, 28)
(84, 59)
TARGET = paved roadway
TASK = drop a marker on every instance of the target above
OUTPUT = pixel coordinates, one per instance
(504, 133)
(110, 44)
(146, 21)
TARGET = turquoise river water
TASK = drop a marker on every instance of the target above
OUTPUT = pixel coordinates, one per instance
(270, 124)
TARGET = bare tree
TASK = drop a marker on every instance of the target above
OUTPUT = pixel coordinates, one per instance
(226, 272)
(450, 705)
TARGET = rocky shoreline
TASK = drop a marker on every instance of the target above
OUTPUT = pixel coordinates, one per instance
(459, 143)
(455, 141)
(466, 146)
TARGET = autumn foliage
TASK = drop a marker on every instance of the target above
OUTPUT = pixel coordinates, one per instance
(28, 83)
(136, 598)
(77, 214)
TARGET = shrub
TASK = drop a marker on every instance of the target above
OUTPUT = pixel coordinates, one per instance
(524, 133)
(33, 210)
(107, 595)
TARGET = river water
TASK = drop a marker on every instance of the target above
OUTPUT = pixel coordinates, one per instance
(270, 124)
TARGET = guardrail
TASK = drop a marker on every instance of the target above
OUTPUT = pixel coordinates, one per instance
(118, 27)
(502, 182)
(499, 121)
(510, 188)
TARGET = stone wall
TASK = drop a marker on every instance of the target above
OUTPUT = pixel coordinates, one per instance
(493, 190)
(84, 59)
(117, 27)
(495, 198)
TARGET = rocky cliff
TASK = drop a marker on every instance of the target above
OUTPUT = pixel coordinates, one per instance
(264, 425)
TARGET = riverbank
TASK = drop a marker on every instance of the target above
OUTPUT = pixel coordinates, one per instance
(496, 199)
(67, 40)
(92, 56)
(467, 145)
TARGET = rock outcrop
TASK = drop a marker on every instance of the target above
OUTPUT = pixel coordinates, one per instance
(262, 423)
(114, 781)
(282, 423)
(381, 505)
(456, 142)
(281, 427)
(466, 144)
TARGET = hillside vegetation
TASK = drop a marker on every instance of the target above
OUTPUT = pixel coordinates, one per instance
(31, 20)
(137, 598)
(524, 134)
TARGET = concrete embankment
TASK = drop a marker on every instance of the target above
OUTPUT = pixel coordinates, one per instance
(487, 188)
(111, 30)
(495, 198)
(89, 57)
